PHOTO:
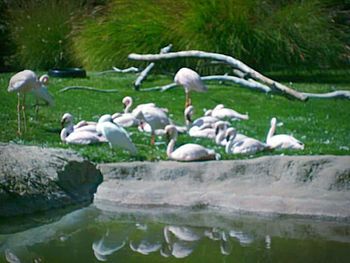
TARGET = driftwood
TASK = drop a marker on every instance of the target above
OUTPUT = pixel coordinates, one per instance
(144, 73)
(236, 64)
(334, 94)
(88, 89)
(118, 70)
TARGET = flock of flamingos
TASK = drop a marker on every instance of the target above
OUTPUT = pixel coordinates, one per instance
(153, 119)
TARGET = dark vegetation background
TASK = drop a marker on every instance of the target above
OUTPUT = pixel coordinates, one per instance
(268, 35)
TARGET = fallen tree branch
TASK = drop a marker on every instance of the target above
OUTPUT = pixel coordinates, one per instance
(250, 73)
(334, 94)
(144, 73)
(87, 88)
(246, 83)
(117, 70)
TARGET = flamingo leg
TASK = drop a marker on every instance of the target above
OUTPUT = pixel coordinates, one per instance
(24, 112)
(152, 139)
(19, 114)
(188, 100)
(37, 110)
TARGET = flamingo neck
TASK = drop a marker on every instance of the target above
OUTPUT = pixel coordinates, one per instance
(171, 146)
(127, 108)
(219, 136)
(271, 131)
(64, 134)
(228, 147)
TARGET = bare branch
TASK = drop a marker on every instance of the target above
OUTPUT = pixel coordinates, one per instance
(88, 89)
(334, 94)
(117, 70)
(251, 73)
(144, 73)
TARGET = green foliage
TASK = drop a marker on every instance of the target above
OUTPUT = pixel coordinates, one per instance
(40, 32)
(321, 124)
(266, 35)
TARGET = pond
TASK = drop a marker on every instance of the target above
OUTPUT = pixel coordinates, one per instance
(171, 235)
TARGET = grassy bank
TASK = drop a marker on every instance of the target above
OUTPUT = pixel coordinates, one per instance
(323, 125)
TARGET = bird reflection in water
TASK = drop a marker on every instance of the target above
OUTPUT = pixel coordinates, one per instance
(170, 241)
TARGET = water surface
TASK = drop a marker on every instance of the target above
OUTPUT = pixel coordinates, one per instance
(155, 235)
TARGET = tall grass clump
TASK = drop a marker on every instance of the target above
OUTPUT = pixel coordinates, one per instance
(265, 34)
(40, 32)
(105, 39)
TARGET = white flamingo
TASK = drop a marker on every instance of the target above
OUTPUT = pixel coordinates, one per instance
(21, 83)
(187, 152)
(244, 146)
(82, 133)
(199, 122)
(128, 102)
(282, 141)
(221, 112)
(191, 81)
(154, 117)
(67, 121)
(116, 135)
(81, 137)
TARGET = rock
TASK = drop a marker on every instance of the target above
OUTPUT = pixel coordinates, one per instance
(306, 186)
(36, 179)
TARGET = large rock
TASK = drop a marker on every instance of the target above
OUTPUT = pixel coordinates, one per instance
(36, 179)
(316, 186)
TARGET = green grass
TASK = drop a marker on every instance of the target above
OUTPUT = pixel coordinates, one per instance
(323, 125)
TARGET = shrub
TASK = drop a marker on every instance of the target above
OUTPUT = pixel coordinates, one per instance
(265, 35)
(40, 32)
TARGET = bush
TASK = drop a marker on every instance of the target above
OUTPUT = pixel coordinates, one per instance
(265, 35)
(40, 32)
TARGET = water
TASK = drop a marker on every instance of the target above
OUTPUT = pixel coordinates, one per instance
(155, 235)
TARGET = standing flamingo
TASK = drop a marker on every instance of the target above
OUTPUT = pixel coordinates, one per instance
(23, 82)
(190, 80)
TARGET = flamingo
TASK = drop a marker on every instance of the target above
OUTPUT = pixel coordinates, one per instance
(282, 141)
(82, 133)
(67, 121)
(115, 134)
(188, 152)
(221, 112)
(244, 146)
(204, 128)
(205, 120)
(81, 137)
(128, 102)
(21, 83)
(154, 117)
(191, 81)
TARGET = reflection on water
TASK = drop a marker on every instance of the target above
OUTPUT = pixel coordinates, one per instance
(93, 235)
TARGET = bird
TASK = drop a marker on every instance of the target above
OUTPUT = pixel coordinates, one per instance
(42, 93)
(115, 134)
(191, 81)
(205, 120)
(128, 102)
(204, 128)
(154, 117)
(188, 152)
(221, 112)
(125, 120)
(282, 141)
(81, 137)
(244, 146)
(67, 121)
(82, 133)
(22, 83)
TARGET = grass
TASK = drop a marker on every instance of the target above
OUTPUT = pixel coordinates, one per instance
(323, 125)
